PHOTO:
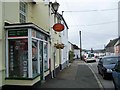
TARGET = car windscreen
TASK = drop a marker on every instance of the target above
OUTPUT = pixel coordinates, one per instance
(90, 55)
(110, 60)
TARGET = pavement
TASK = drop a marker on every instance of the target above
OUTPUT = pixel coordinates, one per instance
(76, 75)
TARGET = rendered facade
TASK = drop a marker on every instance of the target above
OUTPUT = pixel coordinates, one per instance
(27, 43)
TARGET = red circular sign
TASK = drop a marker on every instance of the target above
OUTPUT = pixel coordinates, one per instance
(58, 27)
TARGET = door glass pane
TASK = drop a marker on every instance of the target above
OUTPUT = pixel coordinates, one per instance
(18, 58)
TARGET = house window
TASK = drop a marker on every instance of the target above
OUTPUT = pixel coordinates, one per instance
(22, 12)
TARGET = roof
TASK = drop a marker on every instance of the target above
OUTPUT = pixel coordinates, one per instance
(75, 46)
(112, 42)
(118, 44)
(100, 50)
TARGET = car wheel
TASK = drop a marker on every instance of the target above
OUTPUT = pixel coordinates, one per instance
(115, 85)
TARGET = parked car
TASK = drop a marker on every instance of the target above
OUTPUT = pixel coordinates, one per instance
(101, 56)
(105, 66)
(90, 57)
(116, 76)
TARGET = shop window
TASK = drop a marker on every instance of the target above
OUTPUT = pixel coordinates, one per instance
(18, 58)
(35, 57)
(45, 54)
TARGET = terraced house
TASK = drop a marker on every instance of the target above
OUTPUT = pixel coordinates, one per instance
(28, 43)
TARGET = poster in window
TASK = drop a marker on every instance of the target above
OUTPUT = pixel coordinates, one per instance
(45, 56)
(18, 58)
(34, 57)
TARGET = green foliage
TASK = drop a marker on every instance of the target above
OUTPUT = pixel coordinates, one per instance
(71, 56)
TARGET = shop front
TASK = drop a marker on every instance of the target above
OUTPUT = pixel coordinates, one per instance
(26, 54)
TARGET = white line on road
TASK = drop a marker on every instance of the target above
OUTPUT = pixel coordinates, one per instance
(98, 81)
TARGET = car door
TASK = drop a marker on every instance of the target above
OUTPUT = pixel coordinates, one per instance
(100, 65)
(116, 75)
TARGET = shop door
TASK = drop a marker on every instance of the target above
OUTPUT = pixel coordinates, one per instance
(41, 59)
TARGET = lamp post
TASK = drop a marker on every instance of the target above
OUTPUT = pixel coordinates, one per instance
(80, 46)
(55, 6)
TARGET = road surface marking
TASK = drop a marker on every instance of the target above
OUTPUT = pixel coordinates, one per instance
(98, 81)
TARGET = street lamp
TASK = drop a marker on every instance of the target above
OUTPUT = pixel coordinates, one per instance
(55, 6)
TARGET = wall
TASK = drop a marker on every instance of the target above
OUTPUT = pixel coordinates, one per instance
(54, 39)
(1, 46)
(69, 46)
(41, 18)
(11, 12)
(65, 50)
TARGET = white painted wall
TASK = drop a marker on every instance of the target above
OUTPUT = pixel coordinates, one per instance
(65, 50)
(76, 53)
(69, 46)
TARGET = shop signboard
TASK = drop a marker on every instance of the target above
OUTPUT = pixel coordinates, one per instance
(18, 33)
(58, 27)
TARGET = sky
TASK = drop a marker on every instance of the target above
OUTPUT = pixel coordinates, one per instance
(96, 19)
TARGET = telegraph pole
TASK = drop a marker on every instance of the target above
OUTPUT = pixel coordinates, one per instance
(80, 46)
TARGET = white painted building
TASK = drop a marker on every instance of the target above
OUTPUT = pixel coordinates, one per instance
(65, 51)
(70, 48)
(76, 53)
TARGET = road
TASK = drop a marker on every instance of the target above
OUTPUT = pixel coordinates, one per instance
(104, 83)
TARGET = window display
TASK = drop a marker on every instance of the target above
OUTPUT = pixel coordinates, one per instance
(18, 47)
(18, 58)
(40, 36)
(45, 56)
(34, 57)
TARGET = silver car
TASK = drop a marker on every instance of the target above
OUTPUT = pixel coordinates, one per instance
(90, 57)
